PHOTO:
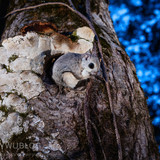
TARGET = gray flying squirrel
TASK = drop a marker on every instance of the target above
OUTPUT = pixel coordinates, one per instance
(72, 68)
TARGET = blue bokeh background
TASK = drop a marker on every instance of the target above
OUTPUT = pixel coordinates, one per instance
(137, 24)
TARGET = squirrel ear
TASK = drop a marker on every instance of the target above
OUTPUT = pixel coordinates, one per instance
(86, 56)
(94, 49)
(90, 51)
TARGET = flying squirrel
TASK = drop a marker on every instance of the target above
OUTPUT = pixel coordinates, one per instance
(72, 68)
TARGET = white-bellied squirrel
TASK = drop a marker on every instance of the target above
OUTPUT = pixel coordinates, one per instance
(71, 68)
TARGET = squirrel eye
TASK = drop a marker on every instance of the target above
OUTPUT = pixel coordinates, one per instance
(91, 65)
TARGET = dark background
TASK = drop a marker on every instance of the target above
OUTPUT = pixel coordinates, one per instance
(137, 24)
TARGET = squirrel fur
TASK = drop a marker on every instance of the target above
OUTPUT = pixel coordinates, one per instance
(71, 68)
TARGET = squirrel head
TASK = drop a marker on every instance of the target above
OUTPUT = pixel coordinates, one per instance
(90, 64)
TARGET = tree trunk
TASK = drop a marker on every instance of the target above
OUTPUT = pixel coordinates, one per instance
(78, 124)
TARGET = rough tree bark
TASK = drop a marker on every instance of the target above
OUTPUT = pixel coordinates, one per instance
(56, 124)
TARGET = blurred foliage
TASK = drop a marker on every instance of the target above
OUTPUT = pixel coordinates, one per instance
(137, 23)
